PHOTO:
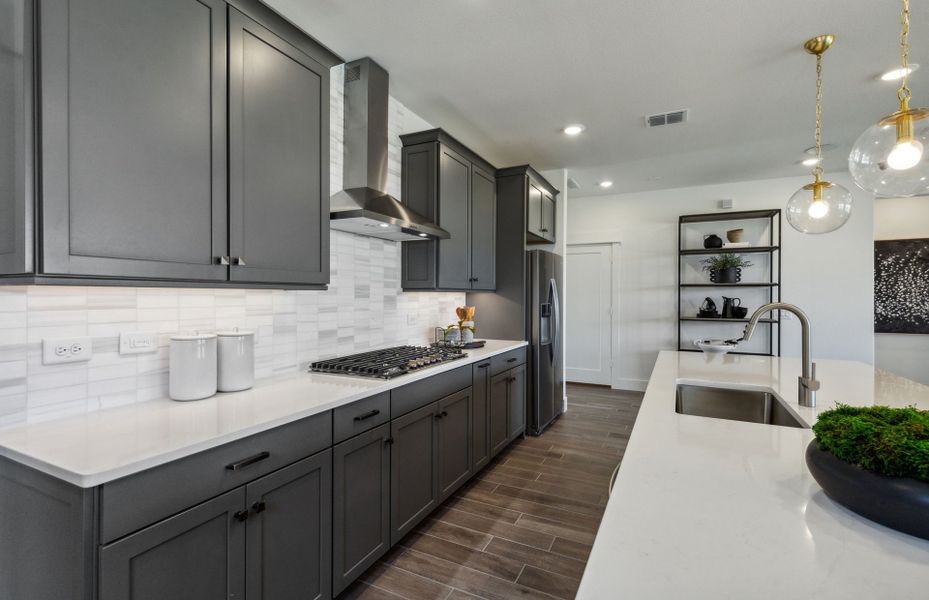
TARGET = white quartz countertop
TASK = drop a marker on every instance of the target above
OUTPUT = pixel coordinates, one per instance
(97, 447)
(711, 508)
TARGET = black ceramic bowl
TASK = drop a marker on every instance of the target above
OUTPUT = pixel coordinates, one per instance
(900, 503)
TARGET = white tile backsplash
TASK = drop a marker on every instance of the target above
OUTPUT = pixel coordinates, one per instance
(363, 308)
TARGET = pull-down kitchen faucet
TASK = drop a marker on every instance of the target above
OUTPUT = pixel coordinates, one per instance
(808, 383)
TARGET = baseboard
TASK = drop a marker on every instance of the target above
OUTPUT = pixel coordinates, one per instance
(632, 385)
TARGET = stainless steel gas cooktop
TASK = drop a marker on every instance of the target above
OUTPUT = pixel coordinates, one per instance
(387, 363)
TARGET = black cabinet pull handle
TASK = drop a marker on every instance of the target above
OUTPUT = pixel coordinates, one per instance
(483, 366)
(444, 413)
(368, 415)
(544, 230)
(438, 416)
(511, 360)
(259, 507)
(248, 461)
(475, 279)
(240, 516)
(389, 441)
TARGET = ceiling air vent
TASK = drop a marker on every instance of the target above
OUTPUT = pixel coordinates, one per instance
(353, 73)
(668, 118)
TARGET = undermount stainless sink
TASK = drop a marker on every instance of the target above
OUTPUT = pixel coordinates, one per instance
(735, 405)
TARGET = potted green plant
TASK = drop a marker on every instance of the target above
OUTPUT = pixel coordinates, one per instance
(725, 268)
(874, 460)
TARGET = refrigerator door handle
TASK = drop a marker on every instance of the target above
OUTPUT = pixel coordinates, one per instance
(556, 315)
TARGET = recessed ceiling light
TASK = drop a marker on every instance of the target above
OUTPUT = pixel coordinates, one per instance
(384, 225)
(424, 235)
(606, 184)
(574, 129)
(809, 162)
(898, 73)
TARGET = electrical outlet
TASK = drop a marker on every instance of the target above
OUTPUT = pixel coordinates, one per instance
(137, 343)
(66, 350)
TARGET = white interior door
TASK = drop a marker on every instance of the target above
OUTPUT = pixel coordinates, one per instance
(588, 323)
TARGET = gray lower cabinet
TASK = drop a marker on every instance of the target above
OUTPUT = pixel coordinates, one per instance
(499, 413)
(445, 181)
(480, 416)
(454, 442)
(414, 469)
(198, 554)
(516, 401)
(289, 533)
(360, 504)
(278, 137)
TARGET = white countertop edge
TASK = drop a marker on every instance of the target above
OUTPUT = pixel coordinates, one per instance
(93, 478)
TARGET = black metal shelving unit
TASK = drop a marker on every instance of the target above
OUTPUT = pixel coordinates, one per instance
(773, 283)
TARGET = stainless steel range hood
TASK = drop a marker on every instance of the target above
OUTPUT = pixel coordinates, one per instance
(363, 207)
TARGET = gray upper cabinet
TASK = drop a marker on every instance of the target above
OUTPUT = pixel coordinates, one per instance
(162, 130)
(445, 181)
(288, 538)
(360, 504)
(133, 138)
(197, 554)
(278, 159)
(538, 197)
(16, 140)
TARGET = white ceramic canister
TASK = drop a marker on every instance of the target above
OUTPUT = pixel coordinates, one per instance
(236, 360)
(192, 367)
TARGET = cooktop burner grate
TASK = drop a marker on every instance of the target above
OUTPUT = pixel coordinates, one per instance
(387, 363)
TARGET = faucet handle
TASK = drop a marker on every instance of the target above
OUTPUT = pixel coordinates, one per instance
(810, 383)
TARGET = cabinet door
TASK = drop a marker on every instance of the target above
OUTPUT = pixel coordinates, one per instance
(360, 504)
(198, 554)
(454, 442)
(499, 412)
(516, 400)
(548, 216)
(133, 138)
(483, 230)
(480, 417)
(278, 159)
(289, 532)
(15, 136)
(420, 193)
(414, 488)
(454, 260)
(534, 211)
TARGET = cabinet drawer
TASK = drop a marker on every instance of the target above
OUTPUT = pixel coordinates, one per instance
(507, 360)
(358, 417)
(410, 397)
(128, 504)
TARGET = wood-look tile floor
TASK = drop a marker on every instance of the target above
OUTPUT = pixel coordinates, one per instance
(524, 526)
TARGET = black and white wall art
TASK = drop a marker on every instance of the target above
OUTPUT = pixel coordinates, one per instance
(901, 286)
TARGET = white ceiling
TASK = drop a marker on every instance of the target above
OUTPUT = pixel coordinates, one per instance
(505, 76)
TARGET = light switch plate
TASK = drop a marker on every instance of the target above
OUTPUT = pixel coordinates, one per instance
(66, 350)
(137, 343)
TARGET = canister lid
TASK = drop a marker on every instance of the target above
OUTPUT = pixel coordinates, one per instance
(188, 337)
(235, 332)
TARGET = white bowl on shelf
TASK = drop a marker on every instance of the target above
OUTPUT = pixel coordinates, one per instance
(715, 346)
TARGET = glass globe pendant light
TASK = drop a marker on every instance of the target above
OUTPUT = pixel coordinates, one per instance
(891, 158)
(821, 206)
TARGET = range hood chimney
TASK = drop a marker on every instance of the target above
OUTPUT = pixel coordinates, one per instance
(363, 206)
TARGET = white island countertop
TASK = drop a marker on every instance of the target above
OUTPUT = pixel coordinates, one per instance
(98, 447)
(711, 508)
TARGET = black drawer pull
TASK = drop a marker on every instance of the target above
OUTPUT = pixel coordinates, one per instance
(248, 461)
(368, 415)
(259, 507)
(511, 360)
(438, 416)
(483, 366)
(389, 441)
(241, 515)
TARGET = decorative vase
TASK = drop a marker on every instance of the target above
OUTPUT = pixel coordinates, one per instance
(467, 331)
(901, 503)
(730, 275)
(712, 241)
(735, 235)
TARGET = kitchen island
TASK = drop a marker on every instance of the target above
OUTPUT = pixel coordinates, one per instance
(712, 508)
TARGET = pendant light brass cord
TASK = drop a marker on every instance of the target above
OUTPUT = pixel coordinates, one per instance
(904, 92)
(818, 169)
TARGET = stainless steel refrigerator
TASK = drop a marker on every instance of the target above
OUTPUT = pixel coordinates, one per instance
(546, 340)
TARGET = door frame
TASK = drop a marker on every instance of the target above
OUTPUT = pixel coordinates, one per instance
(615, 249)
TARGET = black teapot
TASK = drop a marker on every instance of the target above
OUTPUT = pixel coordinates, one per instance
(712, 241)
